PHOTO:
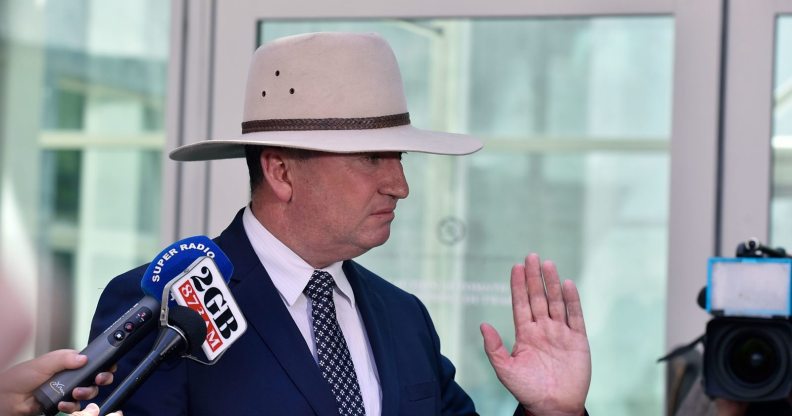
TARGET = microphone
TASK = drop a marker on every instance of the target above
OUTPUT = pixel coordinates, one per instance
(206, 318)
(184, 335)
(136, 323)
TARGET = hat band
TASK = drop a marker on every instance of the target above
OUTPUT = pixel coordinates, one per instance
(295, 124)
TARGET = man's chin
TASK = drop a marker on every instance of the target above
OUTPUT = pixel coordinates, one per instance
(375, 240)
(380, 241)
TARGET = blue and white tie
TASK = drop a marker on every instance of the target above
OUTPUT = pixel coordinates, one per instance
(331, 347)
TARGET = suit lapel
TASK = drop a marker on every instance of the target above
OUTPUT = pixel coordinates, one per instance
(268, 316)
(378, 330)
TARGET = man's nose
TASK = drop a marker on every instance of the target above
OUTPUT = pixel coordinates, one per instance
(395, 183)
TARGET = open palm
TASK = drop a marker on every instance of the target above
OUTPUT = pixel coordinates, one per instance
(549, 368)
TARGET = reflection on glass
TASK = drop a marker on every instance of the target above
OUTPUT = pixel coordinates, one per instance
(575, 115)
(781, 204)
(88, 123)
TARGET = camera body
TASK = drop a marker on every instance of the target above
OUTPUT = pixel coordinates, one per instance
(748, 343)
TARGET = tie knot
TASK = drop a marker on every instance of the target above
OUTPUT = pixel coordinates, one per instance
(320, 286)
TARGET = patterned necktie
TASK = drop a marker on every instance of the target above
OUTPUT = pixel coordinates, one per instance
(331, 347)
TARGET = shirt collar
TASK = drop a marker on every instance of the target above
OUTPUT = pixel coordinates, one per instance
(288, 271)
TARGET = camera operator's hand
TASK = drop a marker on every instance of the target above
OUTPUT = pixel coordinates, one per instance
(726, 407)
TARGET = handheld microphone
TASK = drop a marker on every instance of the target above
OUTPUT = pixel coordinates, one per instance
(215, 322)
(184, 335)
(133, 325)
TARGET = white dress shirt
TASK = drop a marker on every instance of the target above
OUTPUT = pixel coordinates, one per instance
(290, 275)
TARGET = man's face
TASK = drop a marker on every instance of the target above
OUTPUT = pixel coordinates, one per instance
(344, 203)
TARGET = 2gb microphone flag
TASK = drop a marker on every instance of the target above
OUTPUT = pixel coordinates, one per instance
(203, 289)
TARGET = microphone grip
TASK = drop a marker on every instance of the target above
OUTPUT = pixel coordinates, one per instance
(168, 341)
(102, 353)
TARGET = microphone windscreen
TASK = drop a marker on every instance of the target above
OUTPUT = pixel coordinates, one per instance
(177, 257)
(191, 323)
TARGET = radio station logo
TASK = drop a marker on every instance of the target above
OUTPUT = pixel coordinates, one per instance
(203, 290)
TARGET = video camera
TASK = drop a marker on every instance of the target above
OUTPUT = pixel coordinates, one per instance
(748, 343)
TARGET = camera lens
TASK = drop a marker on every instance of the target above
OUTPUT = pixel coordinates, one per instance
(753, 358)
(748, 359)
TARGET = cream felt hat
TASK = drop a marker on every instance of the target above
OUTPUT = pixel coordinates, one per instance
(332, 92)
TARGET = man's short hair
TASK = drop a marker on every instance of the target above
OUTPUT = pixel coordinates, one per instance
(253, 159)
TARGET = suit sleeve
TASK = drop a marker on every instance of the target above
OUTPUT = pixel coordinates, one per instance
(454, 400)
(165, 391)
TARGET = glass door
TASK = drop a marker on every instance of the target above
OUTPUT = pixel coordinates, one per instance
(781, 205)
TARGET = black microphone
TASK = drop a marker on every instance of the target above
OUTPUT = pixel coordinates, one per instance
(136, 323)
(203, 292)
(186, 335)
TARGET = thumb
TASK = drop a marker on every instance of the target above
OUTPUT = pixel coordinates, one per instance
(55, 361)
(493, 345)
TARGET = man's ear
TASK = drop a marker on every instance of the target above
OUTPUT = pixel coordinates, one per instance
(277, 173)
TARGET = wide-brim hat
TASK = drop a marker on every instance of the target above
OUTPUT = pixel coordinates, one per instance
(332, 92)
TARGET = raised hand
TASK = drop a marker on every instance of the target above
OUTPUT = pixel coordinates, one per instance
(549, 368)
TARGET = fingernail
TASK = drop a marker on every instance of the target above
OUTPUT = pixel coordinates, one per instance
(92, 406)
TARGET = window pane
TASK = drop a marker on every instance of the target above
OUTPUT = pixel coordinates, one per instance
(781, 205)
(81, 149)
(575, 115)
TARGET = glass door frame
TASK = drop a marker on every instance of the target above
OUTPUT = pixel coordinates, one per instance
(748, 121)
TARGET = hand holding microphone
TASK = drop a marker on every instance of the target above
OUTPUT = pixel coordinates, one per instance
(204, 322)
(135, 324)
(18, 382)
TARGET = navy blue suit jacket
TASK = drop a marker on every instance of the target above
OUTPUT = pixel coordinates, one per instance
(270, 370)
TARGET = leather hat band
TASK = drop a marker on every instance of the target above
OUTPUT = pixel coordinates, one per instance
(296, 124)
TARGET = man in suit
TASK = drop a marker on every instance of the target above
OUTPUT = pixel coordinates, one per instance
(325, 126)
